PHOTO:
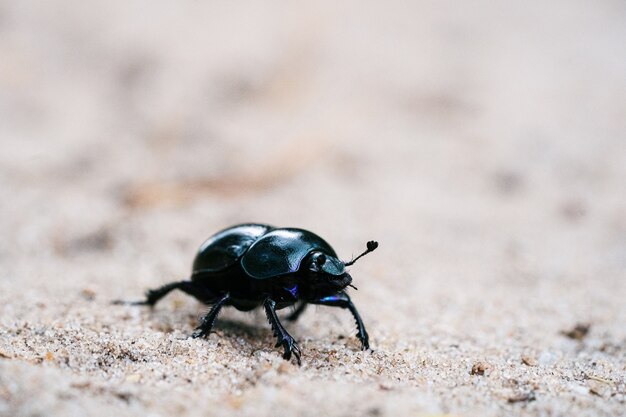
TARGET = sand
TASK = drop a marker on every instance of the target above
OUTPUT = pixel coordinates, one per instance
(483, 145)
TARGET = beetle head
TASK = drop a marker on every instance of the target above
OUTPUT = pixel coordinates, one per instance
(324, 274)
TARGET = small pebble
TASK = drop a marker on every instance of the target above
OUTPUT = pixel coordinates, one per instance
(479, 368)
(529, 360)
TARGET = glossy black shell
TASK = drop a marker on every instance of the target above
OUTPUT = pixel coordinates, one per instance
(263, 251)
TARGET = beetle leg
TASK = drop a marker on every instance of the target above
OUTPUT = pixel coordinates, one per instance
(207, 322)
(297, 312)
(342, 300)
(284, 338)
(153, 296)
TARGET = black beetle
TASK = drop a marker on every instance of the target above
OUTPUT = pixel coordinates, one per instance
(249, 265)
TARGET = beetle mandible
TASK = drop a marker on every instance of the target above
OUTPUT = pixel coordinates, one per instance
(251, 265)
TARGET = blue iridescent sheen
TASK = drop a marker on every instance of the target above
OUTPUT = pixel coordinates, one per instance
(293, 291)
(334, 297)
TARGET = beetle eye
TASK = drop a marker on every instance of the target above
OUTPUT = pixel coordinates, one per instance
(321, 260)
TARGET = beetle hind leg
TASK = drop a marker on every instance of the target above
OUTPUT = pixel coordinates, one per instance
(153, 296)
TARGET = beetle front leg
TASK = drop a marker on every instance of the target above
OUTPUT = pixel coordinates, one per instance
(342, 300)
(284, 338)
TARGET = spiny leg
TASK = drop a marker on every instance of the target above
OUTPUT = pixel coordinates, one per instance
(283, 338)
(153, 296)
(342, 300)
(207, 322)
(297, 312)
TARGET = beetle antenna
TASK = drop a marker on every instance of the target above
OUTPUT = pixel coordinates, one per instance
(371, 246)
(350, 285)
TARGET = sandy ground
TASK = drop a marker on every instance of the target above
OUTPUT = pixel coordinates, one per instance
(482, 144)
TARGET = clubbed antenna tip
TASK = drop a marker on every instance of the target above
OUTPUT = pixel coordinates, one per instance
(371, 246)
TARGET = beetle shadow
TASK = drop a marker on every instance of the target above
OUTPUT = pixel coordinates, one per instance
(230, 327)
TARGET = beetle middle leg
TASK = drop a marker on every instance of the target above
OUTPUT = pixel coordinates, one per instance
(342, 300)
(284, 338)
(189, 287)
(207, 322)
(297, 312)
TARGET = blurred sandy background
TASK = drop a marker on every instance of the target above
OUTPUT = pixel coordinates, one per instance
(482, 143)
